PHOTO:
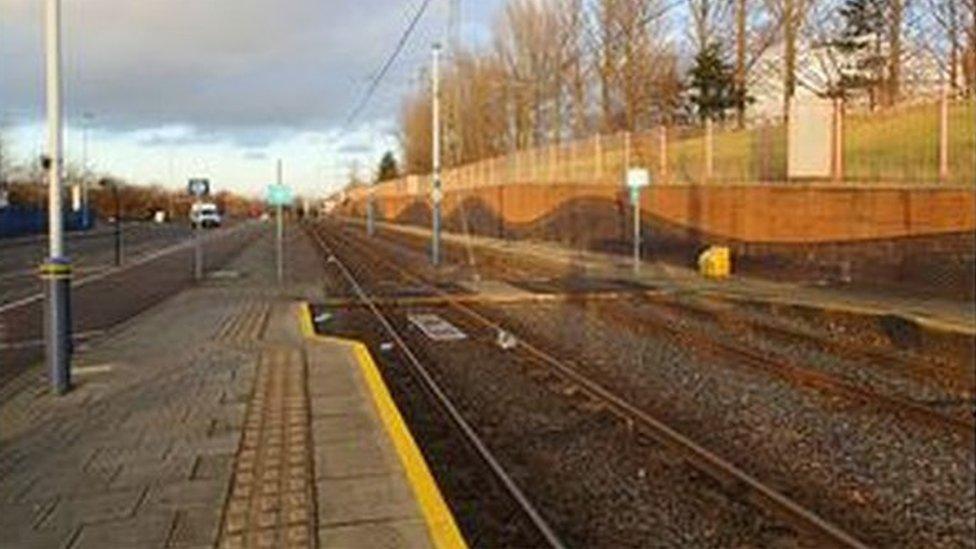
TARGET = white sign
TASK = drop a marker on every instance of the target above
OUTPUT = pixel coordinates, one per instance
(435, 327)
(638, 177)
(809, 138)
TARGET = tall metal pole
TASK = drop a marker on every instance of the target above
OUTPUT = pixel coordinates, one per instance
(56, 271)
(635, 196)
(280, 231)
(435, 251)
(118, 225)
(86, 205)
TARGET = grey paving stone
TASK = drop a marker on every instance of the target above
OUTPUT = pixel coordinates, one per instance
(374, 498)
(115, 454)
(190, 493)
(221, 444)
(213, 466)
(172, 469)
(100, 506)
(195, 528)
(338, 405)
(344, 427)
(144, 530)
(24, 516)
(396, 534)
(37, 539)
(352, 458)
(65, 484)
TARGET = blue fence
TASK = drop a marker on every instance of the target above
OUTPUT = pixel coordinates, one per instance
(20, 221)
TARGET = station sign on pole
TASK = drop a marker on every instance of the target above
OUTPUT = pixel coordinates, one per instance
(198, 188)
(279, 196)
(637, 179)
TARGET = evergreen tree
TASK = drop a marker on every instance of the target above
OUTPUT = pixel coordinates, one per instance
(388, 167)
(860, 42)
(713, 87)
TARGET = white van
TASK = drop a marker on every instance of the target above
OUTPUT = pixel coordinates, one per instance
(204, 215)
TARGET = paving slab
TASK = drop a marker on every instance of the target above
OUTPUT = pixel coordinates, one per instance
(214, 419)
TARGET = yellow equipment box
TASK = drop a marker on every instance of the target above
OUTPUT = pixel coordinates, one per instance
(715, 262)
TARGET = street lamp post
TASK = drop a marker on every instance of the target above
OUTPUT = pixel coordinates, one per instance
(85, 201)
(435, 245)
(56, 271)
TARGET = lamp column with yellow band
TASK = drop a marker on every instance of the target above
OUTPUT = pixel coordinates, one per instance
(56, 271)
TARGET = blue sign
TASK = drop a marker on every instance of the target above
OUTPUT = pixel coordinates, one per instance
(198, 187)
(279, 195)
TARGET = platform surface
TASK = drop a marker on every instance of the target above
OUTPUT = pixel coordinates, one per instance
(214, 419)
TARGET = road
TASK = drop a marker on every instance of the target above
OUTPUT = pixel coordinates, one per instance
(90, 252)
(159, 263)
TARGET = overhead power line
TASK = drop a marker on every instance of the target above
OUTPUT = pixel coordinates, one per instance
(375, 82)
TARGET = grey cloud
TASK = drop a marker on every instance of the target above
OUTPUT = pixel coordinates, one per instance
(247, 70)
(355, 148)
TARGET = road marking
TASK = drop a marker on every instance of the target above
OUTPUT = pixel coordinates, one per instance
(93, 369)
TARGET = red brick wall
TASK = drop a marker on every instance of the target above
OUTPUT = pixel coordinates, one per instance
(745, 213)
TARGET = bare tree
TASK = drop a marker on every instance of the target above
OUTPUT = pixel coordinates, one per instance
(415, 132)
(710, 21)
(968, 23)
(636, 66)
(527, 40)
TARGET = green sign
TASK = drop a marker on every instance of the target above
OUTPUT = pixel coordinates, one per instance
(279, 195)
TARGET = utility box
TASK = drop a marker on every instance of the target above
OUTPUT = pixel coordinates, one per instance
(715, 262)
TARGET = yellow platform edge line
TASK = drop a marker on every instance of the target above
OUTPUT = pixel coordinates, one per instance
(441, 525)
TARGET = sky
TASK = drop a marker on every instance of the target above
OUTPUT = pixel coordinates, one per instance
(174, 89)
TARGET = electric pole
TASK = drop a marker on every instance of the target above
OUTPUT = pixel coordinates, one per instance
(280, 233)
(436, 150)
(86, 205)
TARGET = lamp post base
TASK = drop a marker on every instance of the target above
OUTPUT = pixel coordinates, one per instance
(56, 273)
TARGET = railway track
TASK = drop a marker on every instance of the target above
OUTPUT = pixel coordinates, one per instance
(440, 397)
(784, 367)
(732, 478)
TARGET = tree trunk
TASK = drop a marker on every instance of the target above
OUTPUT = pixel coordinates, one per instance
(894, 55)
(740, 60)
(789, 55)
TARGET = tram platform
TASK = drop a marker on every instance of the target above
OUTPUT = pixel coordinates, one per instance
(218, 419)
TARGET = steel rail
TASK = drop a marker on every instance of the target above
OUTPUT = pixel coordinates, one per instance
(723, 471)
(444, 401)
(788, 369)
